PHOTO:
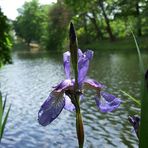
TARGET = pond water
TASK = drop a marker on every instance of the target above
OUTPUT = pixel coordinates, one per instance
(28, 81)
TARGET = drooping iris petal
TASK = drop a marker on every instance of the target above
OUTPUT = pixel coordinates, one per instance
(90, 83)
(108, 97)
(83, 65)
(51, 108)
(64, 85)
(66, 60)
(68, 104)
(107, 102)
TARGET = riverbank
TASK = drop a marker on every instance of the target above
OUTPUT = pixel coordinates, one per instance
(119, 44)
(126, 44)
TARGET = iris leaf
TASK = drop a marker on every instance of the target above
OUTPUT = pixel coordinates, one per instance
(4, 122)
(144, 102)
(1, 111)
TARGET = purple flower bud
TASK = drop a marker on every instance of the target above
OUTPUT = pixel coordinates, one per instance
(135, 122)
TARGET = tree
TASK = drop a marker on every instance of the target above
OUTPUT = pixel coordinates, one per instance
(59, 18)
(108, 27)
(107, 15)
(96, 12)
(86, 14)
(134, 13)
(5, 40)
(29, 24)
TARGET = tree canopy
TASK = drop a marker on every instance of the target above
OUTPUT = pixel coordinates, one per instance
(5, 40)
(94, 20)
(29, 23)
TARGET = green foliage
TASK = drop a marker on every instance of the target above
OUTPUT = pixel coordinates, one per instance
(5, 40)
(124, 44)
(43, 24)
(95, 20)
(103, 19)
(59, 17)
(139, 56)
(144, 101)
(31, 22)
(5, 47)
(132, 98)
(3, 118)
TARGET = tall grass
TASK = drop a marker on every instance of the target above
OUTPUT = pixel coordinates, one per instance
(143, 140)
(3, 115)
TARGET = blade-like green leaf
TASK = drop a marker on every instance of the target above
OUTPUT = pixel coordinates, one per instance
(1, 110)
(4, 104)
(144, 102)
(132, 98)
(139, 55)
(144, 118)
(4, 122)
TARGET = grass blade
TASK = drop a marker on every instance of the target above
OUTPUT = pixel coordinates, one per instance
(4, 103)
(132, 98)
(1, 110)
(4, 122)
(144, 102)
(139, 55)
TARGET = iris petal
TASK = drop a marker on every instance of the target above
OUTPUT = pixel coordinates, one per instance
(90, 83)
(83, 65)
(80, 53)
(108, 97)
(68, 104)
(51, 108)
(66, 60)
(89, 54)
(107, 103)
(64, 85)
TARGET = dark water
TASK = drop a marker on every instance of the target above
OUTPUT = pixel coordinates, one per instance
(30, 79)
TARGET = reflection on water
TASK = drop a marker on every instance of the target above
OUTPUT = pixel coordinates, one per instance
(30, 79)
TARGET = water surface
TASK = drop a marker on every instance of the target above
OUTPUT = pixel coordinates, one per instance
(28, 82)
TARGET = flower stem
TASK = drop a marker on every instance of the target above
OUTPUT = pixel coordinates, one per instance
(79, 128)
(74, 59)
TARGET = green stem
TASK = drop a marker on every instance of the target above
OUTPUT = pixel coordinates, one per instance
(74, 59)
(79, 128)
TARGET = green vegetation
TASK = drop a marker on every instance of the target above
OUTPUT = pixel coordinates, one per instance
(142, 131)
(5, 57)
(5, 40)
(126, 44)
(111, 19)
(59, 18)
(144, 101)
(137, 101)
(43, 24)
(31, 23)
(100, 24)
(3, 119)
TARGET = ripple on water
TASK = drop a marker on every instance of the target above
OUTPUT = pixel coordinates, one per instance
(28, 82)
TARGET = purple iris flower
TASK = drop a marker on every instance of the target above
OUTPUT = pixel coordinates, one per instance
(62, 94)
